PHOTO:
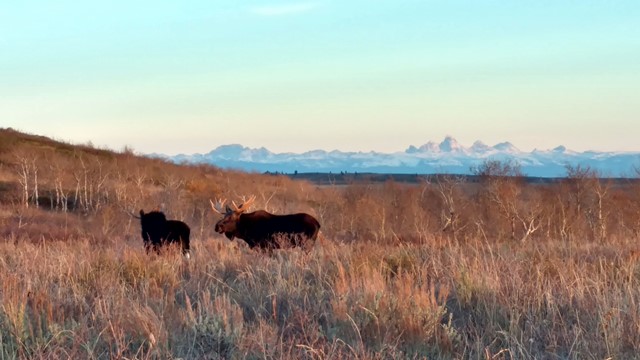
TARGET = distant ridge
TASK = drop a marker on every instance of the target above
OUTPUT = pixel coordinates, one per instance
(448, 156)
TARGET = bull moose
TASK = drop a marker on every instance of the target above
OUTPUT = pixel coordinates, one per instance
(158, 231)
(264, 230)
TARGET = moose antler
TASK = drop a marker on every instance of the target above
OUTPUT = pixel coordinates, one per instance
(245, 204)
(218, 206)
(128, 212)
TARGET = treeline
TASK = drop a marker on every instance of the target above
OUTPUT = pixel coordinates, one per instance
(347, 178)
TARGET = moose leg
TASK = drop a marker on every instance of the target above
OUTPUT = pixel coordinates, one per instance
(156, 247)
(185, 248)
(147, 247)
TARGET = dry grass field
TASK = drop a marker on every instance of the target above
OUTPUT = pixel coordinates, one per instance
(447, 269)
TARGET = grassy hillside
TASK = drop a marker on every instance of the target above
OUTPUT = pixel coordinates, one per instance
(442, 268)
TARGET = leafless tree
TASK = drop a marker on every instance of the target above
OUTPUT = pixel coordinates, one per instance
(448, 188)
(504, 186)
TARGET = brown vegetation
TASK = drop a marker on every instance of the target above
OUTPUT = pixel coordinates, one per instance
(495, 269)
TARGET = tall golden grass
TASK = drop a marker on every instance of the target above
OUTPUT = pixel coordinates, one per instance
(435, 300)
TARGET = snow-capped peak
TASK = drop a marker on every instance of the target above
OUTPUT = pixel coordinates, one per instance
(237, 151)
(479, 147)
(230, 151)
(506, 147)
(449, 144)
(411, 150)
(431, 146)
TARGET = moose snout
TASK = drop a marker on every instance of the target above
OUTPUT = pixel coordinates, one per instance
(218, 228)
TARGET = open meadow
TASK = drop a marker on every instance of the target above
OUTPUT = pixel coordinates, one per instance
(444, 268)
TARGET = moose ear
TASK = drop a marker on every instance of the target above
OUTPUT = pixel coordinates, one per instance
(141, 212)
(228, 210)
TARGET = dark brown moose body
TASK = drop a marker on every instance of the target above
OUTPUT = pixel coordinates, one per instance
(264, 230)
(157, 231)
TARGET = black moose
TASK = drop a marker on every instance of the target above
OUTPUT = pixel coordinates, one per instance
(264, 230)
(158, 231)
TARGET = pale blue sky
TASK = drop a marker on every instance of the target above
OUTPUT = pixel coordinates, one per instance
(188, 76)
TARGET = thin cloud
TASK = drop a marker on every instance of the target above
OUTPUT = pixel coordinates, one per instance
(285, 9)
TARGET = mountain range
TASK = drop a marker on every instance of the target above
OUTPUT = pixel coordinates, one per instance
(448, 156)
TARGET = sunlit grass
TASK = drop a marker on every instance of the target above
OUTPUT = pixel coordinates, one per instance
(366, 300)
